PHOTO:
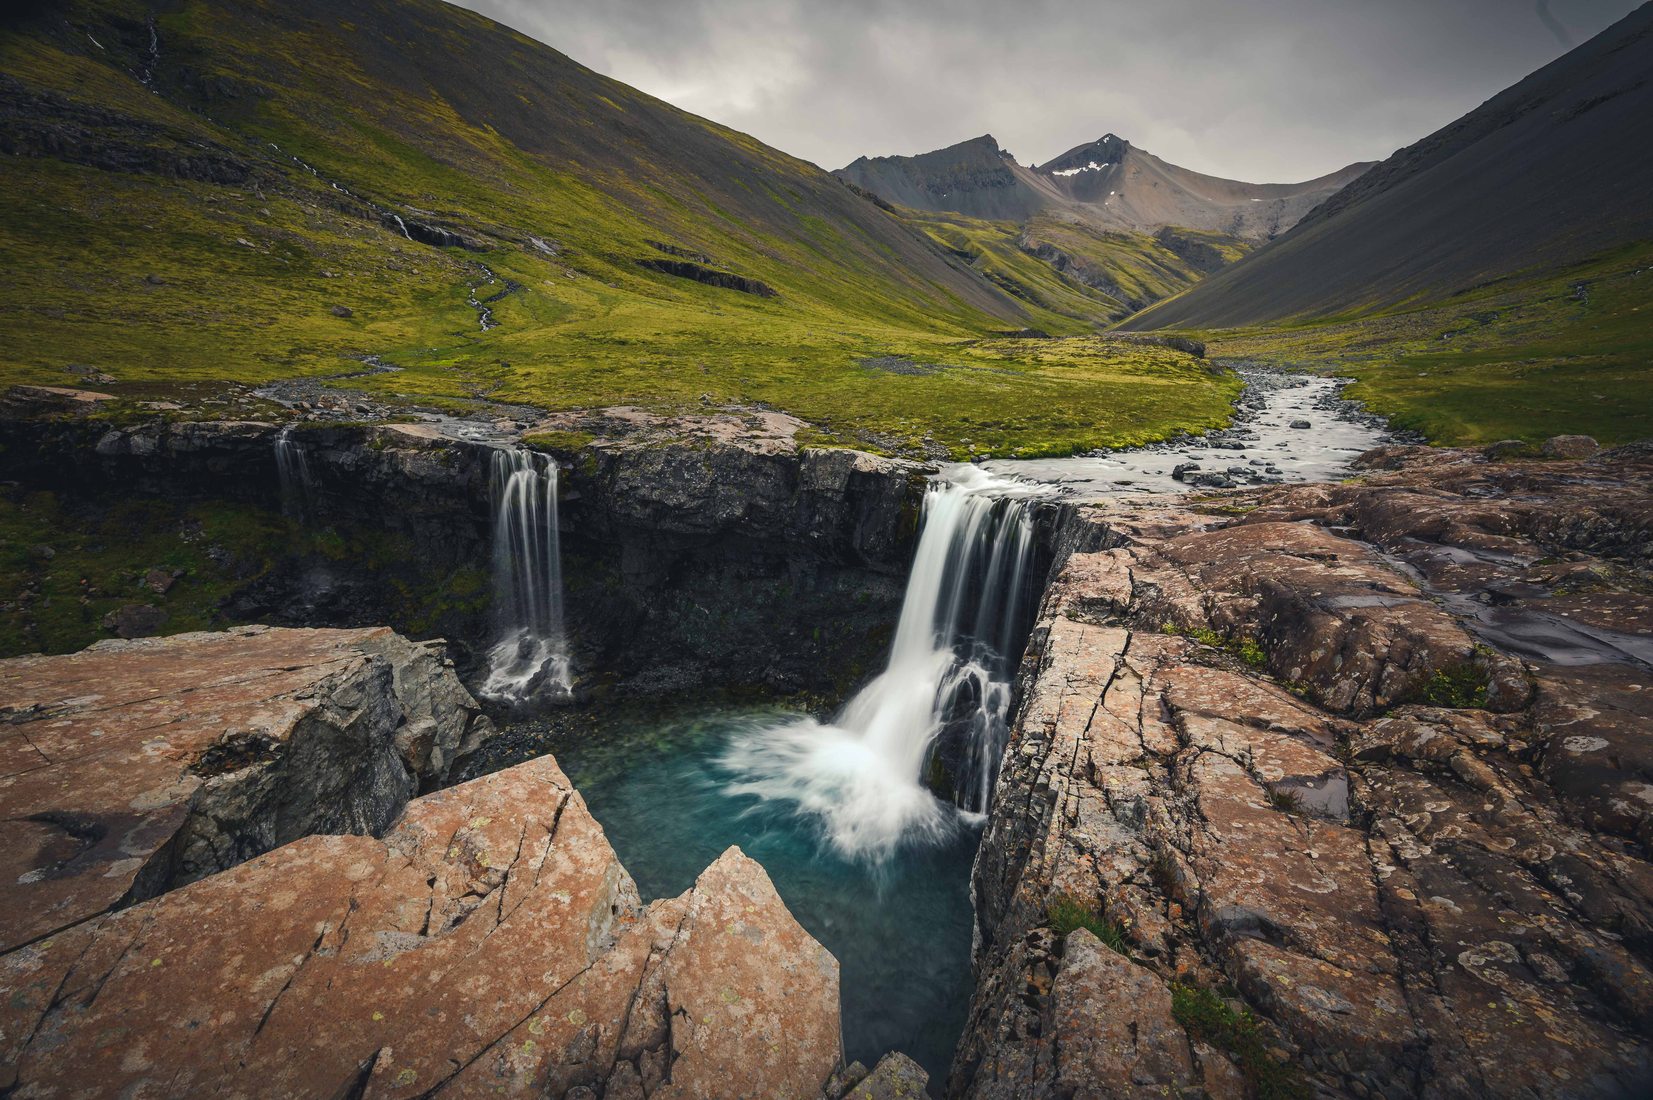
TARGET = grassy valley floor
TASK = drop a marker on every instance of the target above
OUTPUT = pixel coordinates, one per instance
(1521, 358)
(223, 196)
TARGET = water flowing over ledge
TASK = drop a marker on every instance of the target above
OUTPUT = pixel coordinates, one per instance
(293, 470)
(948, 673)
(529, 661)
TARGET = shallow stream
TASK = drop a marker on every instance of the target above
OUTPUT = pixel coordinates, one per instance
(1287, 427)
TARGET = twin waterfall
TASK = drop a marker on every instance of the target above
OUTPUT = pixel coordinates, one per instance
(529, 661)
(948, 683)
(942, 704)
(529, 657)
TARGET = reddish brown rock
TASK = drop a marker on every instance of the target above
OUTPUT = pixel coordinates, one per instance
(490, 944)
(1375, 757)
(131, 767)
(1115, 1033)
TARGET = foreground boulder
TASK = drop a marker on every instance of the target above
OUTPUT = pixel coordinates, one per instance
(489, 944)
(136, 766)
(1333, 790)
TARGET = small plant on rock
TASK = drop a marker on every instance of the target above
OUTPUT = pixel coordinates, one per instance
(1067, 913)
(1249, 651)
(1285, 800)
(1461, 686)
(1207, 1016)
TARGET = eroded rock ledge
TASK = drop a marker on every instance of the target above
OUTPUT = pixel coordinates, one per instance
(133, 767)
(1357, 780)
(702, 549)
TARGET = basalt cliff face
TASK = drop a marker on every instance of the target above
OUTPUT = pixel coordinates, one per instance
(690, 534)
(1353, 778)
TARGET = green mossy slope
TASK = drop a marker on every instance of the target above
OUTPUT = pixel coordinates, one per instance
(214, 203)
(1526, 357)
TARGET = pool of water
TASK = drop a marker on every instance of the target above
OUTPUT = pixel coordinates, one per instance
(900, 927)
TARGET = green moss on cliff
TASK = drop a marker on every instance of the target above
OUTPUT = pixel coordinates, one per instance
(1067, 913)
(1239, 1033)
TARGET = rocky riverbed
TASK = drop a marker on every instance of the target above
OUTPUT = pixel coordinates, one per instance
(1287, 427)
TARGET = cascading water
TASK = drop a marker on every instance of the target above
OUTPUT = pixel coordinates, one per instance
(530, 659)
(948, 673)
(293, 470)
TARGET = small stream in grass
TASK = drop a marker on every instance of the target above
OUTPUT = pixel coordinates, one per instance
(658, 782)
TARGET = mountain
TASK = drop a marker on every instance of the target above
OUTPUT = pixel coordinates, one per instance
(1554, 171)
(1108, 184)
(198, 197)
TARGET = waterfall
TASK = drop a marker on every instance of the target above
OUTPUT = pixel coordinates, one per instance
(530, 658)
(293, 470)
(949, 672)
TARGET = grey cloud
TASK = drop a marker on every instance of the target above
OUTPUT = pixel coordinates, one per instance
(1249, 89)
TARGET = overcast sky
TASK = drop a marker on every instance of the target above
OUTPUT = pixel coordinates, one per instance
(1258, 90)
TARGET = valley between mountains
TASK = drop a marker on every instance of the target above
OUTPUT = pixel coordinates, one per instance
(511, 588)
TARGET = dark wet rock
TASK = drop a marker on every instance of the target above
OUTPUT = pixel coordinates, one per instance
(1183, 469)
(728, 280)
(1301, 424)
(1286, 752)
(435, 235)
(135, 620)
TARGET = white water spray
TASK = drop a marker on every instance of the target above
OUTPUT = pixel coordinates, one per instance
(293, 470)
(949, 671)
(530, 659)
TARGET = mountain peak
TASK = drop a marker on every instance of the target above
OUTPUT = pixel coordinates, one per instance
(1106, 150)
(1107, 182)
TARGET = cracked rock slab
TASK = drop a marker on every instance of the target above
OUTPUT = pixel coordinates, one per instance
(1366, 764)
(489, 944)
(134, 766)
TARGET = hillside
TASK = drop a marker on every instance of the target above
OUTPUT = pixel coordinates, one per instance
(1070, 267)
(1553, 171)
(1108, 184)
(228, 192)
